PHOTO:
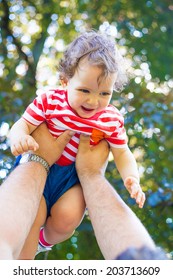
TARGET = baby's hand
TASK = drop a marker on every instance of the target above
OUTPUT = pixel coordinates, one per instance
(133, 187)
(23, 144)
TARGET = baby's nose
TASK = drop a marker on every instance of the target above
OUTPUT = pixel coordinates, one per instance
(93, 101)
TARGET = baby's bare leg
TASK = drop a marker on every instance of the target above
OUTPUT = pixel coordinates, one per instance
(66, 215)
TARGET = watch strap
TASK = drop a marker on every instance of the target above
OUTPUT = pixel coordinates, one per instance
(36, 158)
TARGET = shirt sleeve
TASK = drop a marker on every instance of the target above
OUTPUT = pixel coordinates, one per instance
(118, 138)
(35, 112)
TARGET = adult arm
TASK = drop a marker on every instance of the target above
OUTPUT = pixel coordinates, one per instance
(21, 192)
(116, 226)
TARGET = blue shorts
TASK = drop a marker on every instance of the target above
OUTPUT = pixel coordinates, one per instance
(59, 180)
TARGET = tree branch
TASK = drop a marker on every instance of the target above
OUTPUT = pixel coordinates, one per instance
(6, 27)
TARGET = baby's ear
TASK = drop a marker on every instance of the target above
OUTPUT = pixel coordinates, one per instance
(63, 81)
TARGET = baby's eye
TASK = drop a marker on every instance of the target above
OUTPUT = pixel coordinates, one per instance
(105, 93)
(84, 90)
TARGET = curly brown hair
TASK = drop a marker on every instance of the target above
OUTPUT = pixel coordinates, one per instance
(101, 51)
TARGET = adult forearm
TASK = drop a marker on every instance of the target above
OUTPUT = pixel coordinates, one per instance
(20, 196)
(116, 226)
(21, 192)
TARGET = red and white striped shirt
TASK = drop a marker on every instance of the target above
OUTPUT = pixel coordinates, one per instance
(52, 107)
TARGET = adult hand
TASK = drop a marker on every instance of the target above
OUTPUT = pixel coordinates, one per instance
(91, 160)
(50, 148)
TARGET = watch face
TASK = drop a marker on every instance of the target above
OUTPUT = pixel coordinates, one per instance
(24, 158)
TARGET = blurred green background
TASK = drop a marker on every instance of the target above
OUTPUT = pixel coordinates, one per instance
(33, 35)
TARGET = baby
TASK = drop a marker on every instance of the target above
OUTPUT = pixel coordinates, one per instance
(90, 70)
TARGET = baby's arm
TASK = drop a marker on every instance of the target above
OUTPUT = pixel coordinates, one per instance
(20, 139)
(127, 167)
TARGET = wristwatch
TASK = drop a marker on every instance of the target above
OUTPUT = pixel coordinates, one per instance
(32, 157)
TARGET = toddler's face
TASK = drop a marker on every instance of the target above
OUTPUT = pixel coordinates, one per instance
(85, 95)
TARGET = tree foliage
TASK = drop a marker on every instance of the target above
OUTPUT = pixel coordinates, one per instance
(33, 36)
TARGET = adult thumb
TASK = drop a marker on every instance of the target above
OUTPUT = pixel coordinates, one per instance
(64, 138)
(84, 142)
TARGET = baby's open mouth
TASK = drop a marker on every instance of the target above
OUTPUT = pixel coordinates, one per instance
(87, 109)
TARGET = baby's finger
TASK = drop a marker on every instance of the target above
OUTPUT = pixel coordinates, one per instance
(17, 149)
(32, 144)
(134, 190)
(138, 197)
(140, 200)
(24, 144)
